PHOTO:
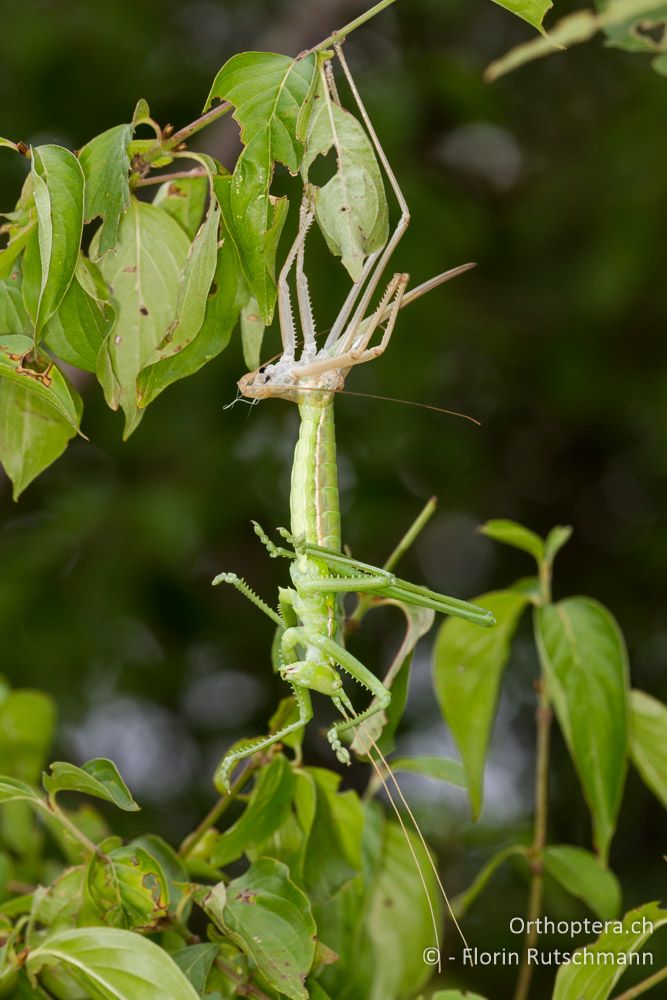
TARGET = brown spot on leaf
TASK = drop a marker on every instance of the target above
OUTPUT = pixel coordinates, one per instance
(143, 310)
(130, 269)
(246, 896)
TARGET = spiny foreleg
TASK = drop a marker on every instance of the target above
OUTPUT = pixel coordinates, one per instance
(233, 757)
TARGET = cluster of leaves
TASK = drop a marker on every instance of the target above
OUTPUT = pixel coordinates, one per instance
(585, 683)
(157, 290)
(141, 921)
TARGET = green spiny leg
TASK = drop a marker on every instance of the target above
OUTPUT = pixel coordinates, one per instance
(400, 590)
(231, 759)
(244, 589)
(360, 673)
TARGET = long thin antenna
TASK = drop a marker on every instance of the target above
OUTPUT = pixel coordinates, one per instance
(408, 841)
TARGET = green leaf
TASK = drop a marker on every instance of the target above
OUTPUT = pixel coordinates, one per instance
(467, 668)
(194, 285)
(572, 30)
(252, 334)
(592, 975)
(398, 922)
(223, 305)
(555, 541)
(128, 888)
(58, 190)
(648, 747)
(76, 331)
(106, 164)
(582, 875)
(440, 768)
(532, 11)
(268, 92)
(584, 659)
(32, 435)
(98, 777)
(269, 918)
(351, 209)
(13, 790)
(195, 962)
(266, 810)
(332, 823)
(27, 722)
(113, 964)
(185, 200)
(13, 317)
(144, 275)
(631, 34)
(19, 230)
(173, 868)
(21, 365)
(58, 906)
(511, 533)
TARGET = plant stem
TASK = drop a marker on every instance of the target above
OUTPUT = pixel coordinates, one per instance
(339, 36)
(210, 116)
(216, 812)
(176, 176)
(411, 534)
(646, 984)
(364, 601)
(543, 716)
(53, 809)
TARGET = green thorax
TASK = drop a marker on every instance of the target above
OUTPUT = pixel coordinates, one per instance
(314, 503)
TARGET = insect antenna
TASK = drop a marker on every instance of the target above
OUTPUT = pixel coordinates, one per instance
(370, 742)
(406, 835)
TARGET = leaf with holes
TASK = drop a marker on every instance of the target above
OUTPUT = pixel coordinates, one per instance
(128, 887)
(351, 209)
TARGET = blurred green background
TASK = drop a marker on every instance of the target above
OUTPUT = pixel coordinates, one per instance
(553, 180)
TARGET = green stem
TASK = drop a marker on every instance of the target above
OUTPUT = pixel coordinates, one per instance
(364, 602)
(177, 175)
(646, 984)
(53, 809)
(210, 116)
(543, 717)
(216, 812)
(336, 37)
(465, 899)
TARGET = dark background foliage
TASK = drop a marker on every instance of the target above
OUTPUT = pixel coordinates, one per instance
(553, 180)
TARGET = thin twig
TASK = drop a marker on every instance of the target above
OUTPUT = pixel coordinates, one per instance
(210, 116)
(176, 176)
(646, 984)
(543, 717)
(342, 33)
